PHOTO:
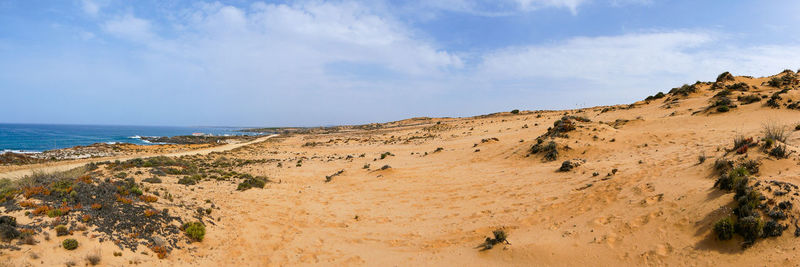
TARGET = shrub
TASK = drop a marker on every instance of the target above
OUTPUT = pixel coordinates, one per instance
(701, 159)
(251, 182)
(779, 152)
(500, 236)
(739, 87)
(773, 229)
(724, 228)
(566, 166)
(69, 244)
(773, 102)
(684, 90)
(160, 251)
(61, 230)
(750, 165)
(659, 95)
(190, 180)
(8, 228)
(750, 228)
(723, 108)
(516, 111)
(775, 132)
(93, 258)
(724, 77)
(195, 230)
(152, 180)
(733, 178)
(748, 99)
(148, 198)
(722, 165)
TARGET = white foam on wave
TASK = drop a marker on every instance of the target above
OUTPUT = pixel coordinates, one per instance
(20, 151)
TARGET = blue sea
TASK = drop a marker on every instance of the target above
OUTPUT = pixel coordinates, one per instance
(41, 137)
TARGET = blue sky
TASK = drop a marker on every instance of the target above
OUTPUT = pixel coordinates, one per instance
(306, 63)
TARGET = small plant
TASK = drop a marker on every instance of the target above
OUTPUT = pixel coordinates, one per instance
(516, 111)
(69, 244)
(723, 108)
(195, 230)
(724, 228)
(438, 149)
(160, 251)
(500, 236)
(86, 217)
(775, 132)
(148, 198)
(779, 152)
(93, 258)
(61, 230)
(150, 212)
(701, 158)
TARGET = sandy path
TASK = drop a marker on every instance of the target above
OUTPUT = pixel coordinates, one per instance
(66, 165)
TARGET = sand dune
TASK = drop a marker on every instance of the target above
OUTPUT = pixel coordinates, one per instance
(640, 196)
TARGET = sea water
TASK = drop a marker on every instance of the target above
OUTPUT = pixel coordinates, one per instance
(23, 138)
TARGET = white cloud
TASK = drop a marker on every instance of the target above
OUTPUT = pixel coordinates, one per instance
(130, 27)
(90, 7)
(625, 67)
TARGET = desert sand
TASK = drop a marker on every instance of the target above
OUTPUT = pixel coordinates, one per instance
(640, 197)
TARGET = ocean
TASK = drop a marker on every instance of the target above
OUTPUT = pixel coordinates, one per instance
(41, 137)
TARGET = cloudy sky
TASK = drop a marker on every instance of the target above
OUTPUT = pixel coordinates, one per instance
(307, 63)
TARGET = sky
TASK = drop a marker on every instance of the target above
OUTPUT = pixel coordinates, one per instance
(311, 63)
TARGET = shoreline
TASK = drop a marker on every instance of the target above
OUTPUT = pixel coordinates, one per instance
(19, 171)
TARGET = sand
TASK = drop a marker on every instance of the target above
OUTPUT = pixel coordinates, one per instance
(434, 208)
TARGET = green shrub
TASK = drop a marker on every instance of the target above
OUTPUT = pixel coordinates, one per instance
(750, 227)
(775, 132)
(69, 244)
(251, 182)
(725, 76)
(723, 108)
(516, 111)
(724, 228)
(749, 99)
(684, 90)
(732, 179)
(189, 180)
(195, 230)
(779, 152)
(152, 180)
(61, 230)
